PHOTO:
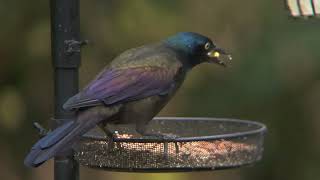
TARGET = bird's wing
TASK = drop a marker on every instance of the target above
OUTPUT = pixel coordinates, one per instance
(123, 85)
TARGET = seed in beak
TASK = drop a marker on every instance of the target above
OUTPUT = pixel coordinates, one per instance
(216, 54)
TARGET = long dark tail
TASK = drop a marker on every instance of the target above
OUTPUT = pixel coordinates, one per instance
(61, 139)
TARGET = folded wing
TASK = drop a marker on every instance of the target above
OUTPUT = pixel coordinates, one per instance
(122, 85)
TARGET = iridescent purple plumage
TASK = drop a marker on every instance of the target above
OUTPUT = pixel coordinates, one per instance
(123, 85)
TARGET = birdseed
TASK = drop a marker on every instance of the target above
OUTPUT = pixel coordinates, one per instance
(166, 155)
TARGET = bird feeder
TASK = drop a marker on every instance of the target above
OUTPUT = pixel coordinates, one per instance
(196, 144)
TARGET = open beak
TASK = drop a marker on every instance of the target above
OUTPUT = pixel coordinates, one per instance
(215, 56)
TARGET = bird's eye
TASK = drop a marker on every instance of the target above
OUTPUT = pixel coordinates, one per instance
(207, 46)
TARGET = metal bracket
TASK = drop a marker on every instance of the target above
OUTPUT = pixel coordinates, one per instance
(68, 54)
(41, 130)
(73, 46)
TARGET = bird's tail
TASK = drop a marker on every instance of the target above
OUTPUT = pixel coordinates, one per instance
(61, 139)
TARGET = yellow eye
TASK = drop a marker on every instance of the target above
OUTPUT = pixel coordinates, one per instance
(207, 46)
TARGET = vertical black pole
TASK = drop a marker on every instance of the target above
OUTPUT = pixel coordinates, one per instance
(65, 37)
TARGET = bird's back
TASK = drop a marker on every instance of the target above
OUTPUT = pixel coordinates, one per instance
(157, 54)
(155, 63)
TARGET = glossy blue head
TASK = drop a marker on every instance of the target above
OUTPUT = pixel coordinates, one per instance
(196, 47)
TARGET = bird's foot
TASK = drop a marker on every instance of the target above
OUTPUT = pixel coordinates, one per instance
(164, 137)
(112, 141)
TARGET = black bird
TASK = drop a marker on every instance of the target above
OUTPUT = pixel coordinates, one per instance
(132, 89)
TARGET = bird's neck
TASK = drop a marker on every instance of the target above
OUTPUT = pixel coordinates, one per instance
(186, 58)
(178, 46)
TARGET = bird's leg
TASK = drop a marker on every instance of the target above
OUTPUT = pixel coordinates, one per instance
(105, 129)
(177, 147)
(111, 136)
(141, 129)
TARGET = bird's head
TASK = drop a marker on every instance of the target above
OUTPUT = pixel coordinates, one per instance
(197, 48)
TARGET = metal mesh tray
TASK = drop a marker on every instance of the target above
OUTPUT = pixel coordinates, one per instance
(199, 144)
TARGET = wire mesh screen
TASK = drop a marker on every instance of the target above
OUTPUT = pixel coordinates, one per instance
(199, 144)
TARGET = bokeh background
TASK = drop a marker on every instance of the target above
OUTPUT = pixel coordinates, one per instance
(274, 78)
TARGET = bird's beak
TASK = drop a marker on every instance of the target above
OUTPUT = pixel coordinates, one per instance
(215, 56)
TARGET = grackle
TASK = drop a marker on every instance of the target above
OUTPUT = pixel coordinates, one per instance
(132, 89)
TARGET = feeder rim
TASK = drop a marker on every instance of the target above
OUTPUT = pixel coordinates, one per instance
(169, 170)
(261, 128)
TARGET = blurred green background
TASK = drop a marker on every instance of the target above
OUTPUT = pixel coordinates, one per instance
(274, 78)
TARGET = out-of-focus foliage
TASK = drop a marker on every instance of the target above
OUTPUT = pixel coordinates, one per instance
(274, 78)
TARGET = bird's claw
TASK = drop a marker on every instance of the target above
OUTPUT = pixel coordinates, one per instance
(113, 142)
(164, 137)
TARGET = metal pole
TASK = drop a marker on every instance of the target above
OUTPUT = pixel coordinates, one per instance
(65, 44)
